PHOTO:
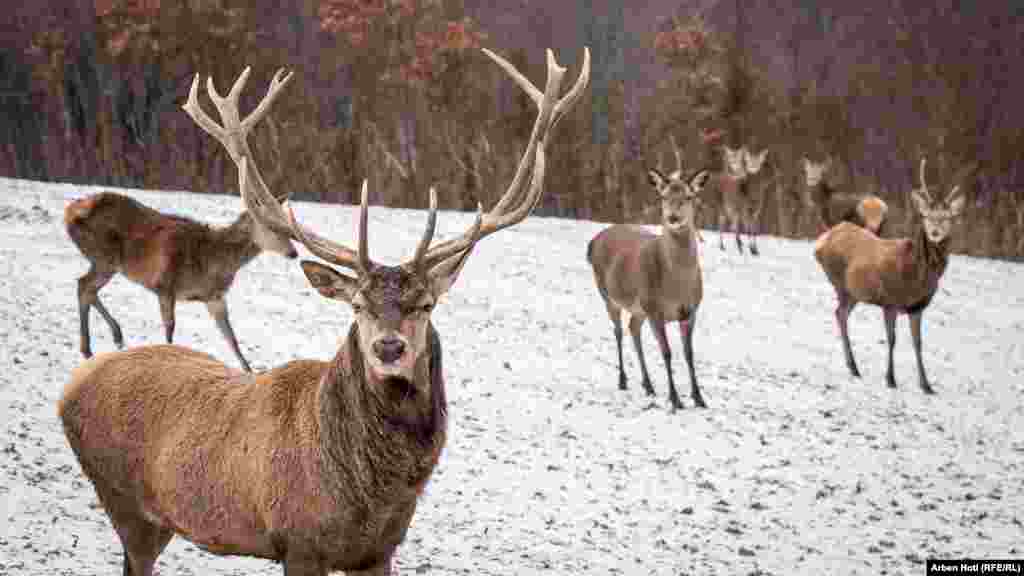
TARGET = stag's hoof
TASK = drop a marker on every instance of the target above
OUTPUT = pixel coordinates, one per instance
(890, 382)
(86, 353)
(649, 389)
(622, 382)
(754, 251)
(927, 388)
(699, 401)
(853, 369)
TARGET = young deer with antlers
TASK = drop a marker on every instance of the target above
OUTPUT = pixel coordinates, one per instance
(739, 197)
(832, 207)
(899, 275)
(318, 465)
(655, 276)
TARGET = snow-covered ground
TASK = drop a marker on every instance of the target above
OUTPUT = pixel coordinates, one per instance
(796, 467)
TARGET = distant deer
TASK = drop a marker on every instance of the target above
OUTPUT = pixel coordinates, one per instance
(899, 275)
(317, 465)
(175, 257)
(832, 207)
(739, 200)
(656, 277)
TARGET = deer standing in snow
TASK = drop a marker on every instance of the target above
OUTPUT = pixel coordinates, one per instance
(317, 465)
(832, 207)
(738, 195)
(175, 257)
(646, 276)
(899, 275)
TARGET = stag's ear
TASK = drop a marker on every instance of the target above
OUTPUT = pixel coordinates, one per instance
(656, 178)
(956, 201)
(443, 276)
(330, 283)
(698, 180)
(921, 201)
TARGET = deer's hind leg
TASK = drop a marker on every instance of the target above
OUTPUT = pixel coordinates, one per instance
(753, 229)
(843, 310)
(89, 286)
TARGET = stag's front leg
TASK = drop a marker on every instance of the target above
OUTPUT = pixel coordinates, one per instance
(889, 315)
(666, 353)
(842, 318)
(723, 229)
(752, 232)
(636, 324)
(686, 326)
(915, 334)
(738, 226)
(89, 286)
(167, 314)
(218, 309)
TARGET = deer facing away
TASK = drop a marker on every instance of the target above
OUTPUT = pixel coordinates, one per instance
(832, 207)
(318, 465)
(737, 192)
(899, 275)
(175, 257)
(644, 276)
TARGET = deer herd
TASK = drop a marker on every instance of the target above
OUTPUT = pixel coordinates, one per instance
(319, 464)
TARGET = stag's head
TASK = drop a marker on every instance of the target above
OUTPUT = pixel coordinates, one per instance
(938, 213)
(754, 162)
(393, 304)
(814, 172)
(680, 198)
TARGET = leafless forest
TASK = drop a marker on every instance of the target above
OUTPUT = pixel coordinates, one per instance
(397, 91)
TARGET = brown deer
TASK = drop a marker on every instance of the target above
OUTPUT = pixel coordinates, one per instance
(318, 465)
(738, 199)
(832, 207)
(899, 275)
(658, 277)
(173, 256)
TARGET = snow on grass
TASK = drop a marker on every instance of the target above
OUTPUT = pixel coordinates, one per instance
(796, 467)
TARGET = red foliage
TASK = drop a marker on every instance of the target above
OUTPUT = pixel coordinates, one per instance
(686, 43)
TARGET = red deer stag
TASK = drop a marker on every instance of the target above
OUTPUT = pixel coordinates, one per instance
(832, 207)
(173, 256)
(318, 465)
(899, 275)
(655, 276)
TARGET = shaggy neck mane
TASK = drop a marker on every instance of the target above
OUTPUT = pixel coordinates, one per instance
(234, 243)
(371, 441)
(930, 258)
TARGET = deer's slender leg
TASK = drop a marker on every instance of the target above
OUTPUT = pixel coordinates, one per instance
(666, 353)
(89, 286)
(219, 311)
(915, 334)
(167, 313)
(737, 223)
(636, 323)
(842, 317)
(723, 228)
(889, 315)
(752, 232)
(686, 327)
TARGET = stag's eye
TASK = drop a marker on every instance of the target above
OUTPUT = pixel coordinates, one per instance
(427, 307)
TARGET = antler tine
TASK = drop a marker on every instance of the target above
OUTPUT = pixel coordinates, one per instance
(428, 233)
(678, 154)
(364, 217)
(924, 185)
(514, 206)
(277, 83)
(325, 249)
(192, 107)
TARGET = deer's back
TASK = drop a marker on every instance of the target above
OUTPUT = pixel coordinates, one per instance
(125, 235)
(868, 268)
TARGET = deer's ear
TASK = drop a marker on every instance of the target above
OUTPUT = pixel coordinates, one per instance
(328, 282)
(956, 200)
(656, 178)
(699, 179)
(920, 201)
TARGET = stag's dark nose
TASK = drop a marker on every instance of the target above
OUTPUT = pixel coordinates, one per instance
(292, 253)
(389, 350)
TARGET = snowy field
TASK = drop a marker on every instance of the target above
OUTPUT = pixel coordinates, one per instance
(795, 468)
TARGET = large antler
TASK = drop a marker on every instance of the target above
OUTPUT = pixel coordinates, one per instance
(232, 133)
(524, 192)
(924, 185)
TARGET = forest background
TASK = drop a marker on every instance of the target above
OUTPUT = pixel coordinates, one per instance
(398, 91)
